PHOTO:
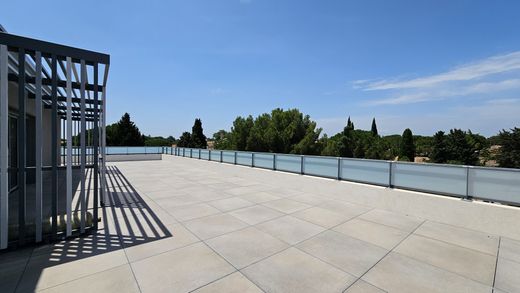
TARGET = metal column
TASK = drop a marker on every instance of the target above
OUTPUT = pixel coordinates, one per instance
(4, 173)
(21, 136)
(69, 148)
(38, 217)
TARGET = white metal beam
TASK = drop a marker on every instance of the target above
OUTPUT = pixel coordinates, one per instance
(38, 217)
(69, 147)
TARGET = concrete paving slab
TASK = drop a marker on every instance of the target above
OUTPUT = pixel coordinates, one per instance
(398, 273)
(459, 236)
(180, 270)
(507, 275)
(244, 247)
(255, 214)
(216, 225)
(384, 236)
(510, 249)
(363, 287)
(194, 211)
(469, 263)
(347, 253)
(260, 197)
(119, 279)
(287, 206)
(298, 272)
(290, 229)
(229, 204)
(321, 216)
(234, 283)
(399, 221)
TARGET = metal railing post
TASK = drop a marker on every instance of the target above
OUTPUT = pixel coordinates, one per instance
(339, 169)
(253, 160)
(390, 175)
(199, 153)
(221, 154)
(235, 158)
(468, 196)
(302, 171)
(274, 162)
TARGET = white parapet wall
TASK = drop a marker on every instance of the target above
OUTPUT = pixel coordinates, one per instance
(133, 157)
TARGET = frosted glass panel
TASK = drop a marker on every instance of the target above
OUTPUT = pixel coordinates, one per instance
(288, 163)
(204, 154)
(215, 156)
(228, 157)
(264, 160)
(327, 167)
(116, 150)
(444, 179)
(368, 171)
(244, 159)
(499, 185)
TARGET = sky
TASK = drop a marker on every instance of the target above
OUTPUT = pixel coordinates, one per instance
(423, 65)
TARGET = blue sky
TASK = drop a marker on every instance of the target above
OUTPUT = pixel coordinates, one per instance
(427, 65)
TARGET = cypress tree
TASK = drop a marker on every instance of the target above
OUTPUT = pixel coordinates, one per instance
(407, 146)
(198, 139)
(127, 133)
(439, 148)
(374, 127)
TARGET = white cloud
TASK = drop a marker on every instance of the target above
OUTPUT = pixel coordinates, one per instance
(489, 66)
(492, 75)
(487, 118)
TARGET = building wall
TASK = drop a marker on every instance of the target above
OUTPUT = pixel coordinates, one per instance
(46, 124)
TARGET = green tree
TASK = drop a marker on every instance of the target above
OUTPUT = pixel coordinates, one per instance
(460, 149)
(509, 153)
(185, 140)
(222, 140)
(240, 132)
(198, 139)
(125, 133)
(439, 153)
(407, 146)
(374, 127)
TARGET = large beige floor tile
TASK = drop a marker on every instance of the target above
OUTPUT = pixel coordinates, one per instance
(234, 283)
(289, 229)
(195, 211)
(244, 247)
(12, 266)
(255, 214)
(398, 273)
(363, 287)
(466, 262)
(216, 225)
(310, 199)
(178, 237)
(44, 271)
(348, 210)
(510, 249)
(467, 238)
(345, 252)
(180, 270)
(321, 216)
(260, 197)
(380, 235)
(403, 222)
(119, 279)
(229, 204)
(508, 275)
(296, 271)
(286, 205)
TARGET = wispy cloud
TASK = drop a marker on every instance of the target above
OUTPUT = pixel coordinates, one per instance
(491, 75)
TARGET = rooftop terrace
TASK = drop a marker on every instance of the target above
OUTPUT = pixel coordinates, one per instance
(180, 225)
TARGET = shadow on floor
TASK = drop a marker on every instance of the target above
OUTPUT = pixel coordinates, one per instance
(126, 220)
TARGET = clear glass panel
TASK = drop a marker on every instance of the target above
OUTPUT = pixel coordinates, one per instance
(228, 157)
(288, 163)
(376, 172)
(493, 184)
(264, 160)
(325, 166)
(114, 150)
(442, 178)
(244, 159)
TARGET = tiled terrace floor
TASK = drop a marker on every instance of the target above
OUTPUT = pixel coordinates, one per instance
(181, 225)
